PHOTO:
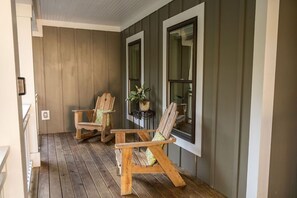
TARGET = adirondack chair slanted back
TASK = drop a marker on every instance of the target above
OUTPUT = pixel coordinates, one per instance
(168, 120)
(104, 102)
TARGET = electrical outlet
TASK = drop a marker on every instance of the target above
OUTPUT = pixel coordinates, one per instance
(45, 115)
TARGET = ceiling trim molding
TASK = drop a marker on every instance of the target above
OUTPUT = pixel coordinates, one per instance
(66, 24)
(85, 26)
(143, 13)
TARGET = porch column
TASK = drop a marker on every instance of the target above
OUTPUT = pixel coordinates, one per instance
(264, 64)
(11, 122)
(24, 15)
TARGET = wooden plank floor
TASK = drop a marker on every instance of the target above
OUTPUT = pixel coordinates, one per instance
(88, 169)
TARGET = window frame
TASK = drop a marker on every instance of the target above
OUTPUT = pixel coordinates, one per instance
(193, 81)
(197, 11)
(129, 41)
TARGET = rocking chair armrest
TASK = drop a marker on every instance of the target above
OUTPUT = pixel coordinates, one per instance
(144, 144)
(132, 130)
(108, 112)
(83, 110)
(90, 124)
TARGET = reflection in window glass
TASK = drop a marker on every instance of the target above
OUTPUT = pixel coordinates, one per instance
(134, 68)
(181, 75)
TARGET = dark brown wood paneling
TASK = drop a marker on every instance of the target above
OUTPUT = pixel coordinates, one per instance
(72, 68)
(154, 55)
(283, 161)
(100, 74)
(229, 97)
(69, 77)
(147, 61)
(125, 35)
(188, 162)
(174, 153)
(39, 79)
(85, 68)
(190, 3)
(132, 30)
(123, 76)
(114, 73)
(138, 27)
(246, 96)
(206, 164)
(163, 15)
(175, 7)
(53, 83)
(224, 111)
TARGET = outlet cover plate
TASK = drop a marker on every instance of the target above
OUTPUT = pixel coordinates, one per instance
(45, 115)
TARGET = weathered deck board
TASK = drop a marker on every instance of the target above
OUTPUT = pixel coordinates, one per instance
(66, 185)
(88, 169)
(43, 182)
(54, 176)
(75, 178)
(82, 169)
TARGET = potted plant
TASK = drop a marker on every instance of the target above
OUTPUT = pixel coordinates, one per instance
(139, 96)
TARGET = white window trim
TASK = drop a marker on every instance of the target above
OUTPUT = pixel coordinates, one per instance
(130, 39)
(197, 11)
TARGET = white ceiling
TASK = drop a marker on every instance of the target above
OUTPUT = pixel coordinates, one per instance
(100, 12)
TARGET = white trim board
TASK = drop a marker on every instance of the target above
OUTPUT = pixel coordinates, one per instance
(263, 79)
(130, 39)
(66, 24)
(197, 11)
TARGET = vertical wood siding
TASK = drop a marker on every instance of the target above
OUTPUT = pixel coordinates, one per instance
(228, 50)
(72, 67)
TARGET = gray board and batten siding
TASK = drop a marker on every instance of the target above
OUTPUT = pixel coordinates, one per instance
(228, 56)
(283, 161)
(72, 67)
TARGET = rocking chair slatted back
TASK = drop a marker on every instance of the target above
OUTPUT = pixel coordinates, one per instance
(104, 102)
(168, 120)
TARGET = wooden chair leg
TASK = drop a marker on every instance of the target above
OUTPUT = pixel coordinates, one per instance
(78, 134)
(126, 177)
(167, 166)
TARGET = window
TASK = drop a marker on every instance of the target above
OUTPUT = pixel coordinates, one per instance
(181, 64)
(135, 68)
(183, 37)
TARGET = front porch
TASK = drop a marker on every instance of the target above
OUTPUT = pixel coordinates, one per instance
(88, 169)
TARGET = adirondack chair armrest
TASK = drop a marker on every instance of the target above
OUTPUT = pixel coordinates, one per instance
(117, 131)
(144, 144)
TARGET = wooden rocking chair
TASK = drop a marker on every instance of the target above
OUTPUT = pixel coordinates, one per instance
(105, 105)
(131, 161)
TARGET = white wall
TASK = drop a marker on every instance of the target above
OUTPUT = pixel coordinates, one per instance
(24, 15)
(11, 132)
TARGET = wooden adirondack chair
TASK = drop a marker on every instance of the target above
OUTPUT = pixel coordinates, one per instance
(131, 161)
(104, 103)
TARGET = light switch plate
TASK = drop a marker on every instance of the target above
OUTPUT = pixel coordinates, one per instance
(45, 115)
